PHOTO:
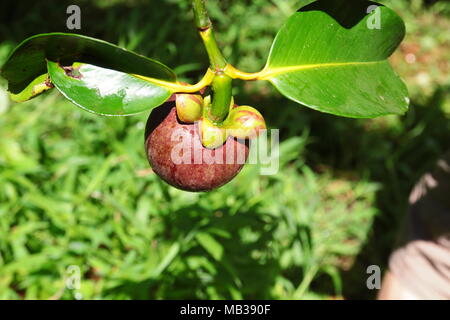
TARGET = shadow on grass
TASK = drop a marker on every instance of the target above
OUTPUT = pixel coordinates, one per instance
(425, 139)
(393, 155)
(237, 268)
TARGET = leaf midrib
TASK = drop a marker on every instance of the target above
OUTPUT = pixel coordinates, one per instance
(268, 72)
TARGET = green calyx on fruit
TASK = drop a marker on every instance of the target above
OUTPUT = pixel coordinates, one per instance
(212, 136)
(244, 122)
(189, 107)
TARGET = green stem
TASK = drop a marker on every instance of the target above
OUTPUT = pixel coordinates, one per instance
(221, 84)
(205, 28)
(220, 105)
(216, 59)
(200, 14)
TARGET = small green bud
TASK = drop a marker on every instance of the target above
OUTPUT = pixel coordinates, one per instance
(244, 122)
(212, 135)
(189, 107)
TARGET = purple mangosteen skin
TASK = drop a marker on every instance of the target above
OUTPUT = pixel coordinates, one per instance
(200, 173)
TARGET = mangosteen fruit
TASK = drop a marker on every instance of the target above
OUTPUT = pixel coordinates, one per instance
(176, 153)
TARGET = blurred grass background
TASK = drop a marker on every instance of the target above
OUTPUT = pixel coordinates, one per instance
(76, 189)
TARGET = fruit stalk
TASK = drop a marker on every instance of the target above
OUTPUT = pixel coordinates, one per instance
(206, 31)
(221, 82)
(220, 105)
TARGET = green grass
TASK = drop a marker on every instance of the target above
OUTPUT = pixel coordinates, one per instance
(76, 189)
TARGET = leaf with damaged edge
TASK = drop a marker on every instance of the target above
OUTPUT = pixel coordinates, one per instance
(28, 59)
(105, 91)
(35, 88)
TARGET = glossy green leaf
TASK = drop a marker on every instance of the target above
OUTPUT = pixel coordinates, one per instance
(105, 91)
(331, 56)
(28, 59)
